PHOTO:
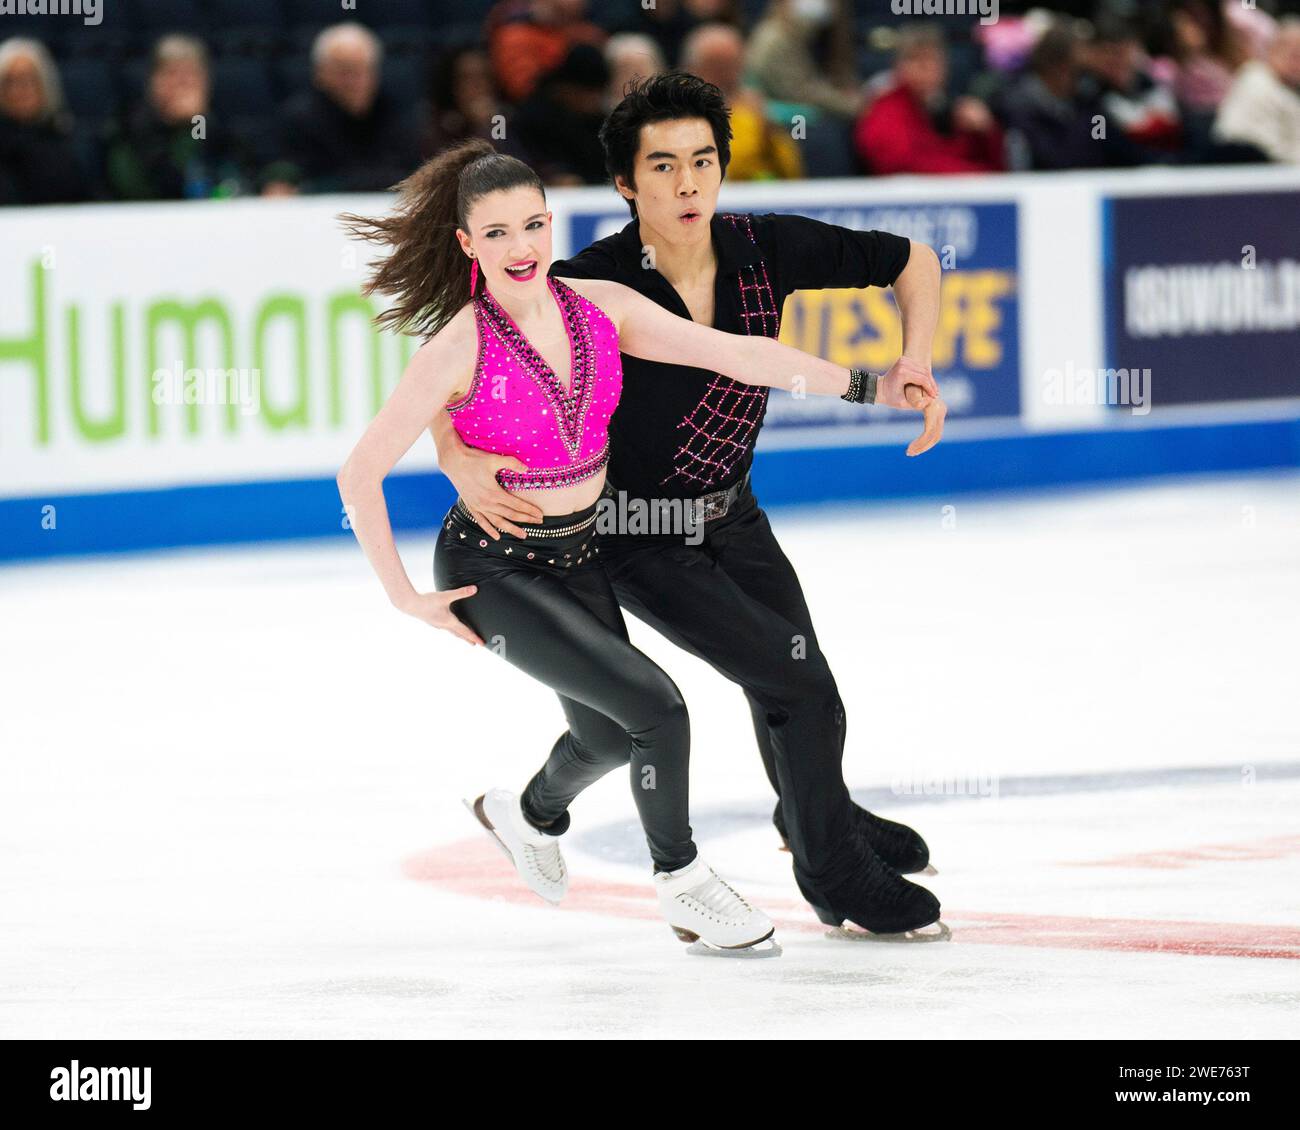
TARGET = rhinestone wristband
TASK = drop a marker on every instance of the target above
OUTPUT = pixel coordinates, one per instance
(862, 387)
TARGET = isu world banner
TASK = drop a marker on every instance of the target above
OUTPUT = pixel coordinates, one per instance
(1204, 293)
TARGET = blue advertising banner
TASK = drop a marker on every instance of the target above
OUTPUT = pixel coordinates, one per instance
(977, 345)
(1203, 294)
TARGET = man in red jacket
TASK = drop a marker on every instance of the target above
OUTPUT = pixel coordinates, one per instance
(910, 128)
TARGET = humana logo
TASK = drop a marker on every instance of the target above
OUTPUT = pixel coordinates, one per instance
(103, 1084)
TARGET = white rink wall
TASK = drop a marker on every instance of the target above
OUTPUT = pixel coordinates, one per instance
(96, 301)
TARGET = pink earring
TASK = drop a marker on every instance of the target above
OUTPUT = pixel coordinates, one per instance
(473, 276)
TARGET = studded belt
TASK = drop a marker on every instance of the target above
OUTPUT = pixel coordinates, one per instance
(560, 546)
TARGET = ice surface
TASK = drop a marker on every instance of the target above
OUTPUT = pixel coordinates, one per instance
(232, 782)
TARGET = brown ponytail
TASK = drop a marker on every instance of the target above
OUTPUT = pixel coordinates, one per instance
(427, 271)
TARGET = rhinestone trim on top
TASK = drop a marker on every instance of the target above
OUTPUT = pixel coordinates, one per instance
(570, 408)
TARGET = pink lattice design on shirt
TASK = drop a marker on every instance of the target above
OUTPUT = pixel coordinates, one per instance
(517, 406)
(720, 428)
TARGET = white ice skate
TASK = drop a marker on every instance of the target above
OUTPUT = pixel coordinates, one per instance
(536, 855)
(702, 909)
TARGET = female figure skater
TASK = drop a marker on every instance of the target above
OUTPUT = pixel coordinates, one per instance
(528, 366)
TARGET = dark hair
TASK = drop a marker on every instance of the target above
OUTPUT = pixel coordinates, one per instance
(427, 270)
(662, 98)
(1055, 47)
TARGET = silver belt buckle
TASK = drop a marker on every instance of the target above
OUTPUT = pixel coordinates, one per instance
(715, 505)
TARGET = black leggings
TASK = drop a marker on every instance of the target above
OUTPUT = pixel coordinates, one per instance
(545, 605)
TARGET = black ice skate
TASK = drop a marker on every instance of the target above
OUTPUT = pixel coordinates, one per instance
(880, 901)
(897, 844)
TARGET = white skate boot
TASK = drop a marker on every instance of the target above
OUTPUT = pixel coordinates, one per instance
(536, 855)
(702, 909)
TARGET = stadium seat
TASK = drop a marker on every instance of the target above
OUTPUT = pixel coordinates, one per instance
(266, 15)
(405, 79)
(248, 27)
(405, 39)
(420, 13)
(315, 13)
(89, 88)
(153, 18)
(292, 75)
(134, 78)
(242, 87)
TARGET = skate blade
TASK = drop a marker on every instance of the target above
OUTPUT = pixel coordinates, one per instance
(476, 810)
(855, 934)
(768, 947)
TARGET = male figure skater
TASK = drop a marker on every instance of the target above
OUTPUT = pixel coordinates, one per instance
(682, 433)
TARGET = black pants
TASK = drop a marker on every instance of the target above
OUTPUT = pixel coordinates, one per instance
(545, 605)
(734, 600)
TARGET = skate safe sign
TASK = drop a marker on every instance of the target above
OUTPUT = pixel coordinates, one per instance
(101, 1084)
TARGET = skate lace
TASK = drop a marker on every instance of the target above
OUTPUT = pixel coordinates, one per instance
(546, 861)
(885, 882)
(885, 834)
(718, 897)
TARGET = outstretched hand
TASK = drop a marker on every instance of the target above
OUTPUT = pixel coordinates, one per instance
(934, 409)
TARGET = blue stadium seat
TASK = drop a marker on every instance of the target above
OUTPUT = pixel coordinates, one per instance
(409, 12)
(404, 79)
(158, 17)
(316, 13)
(253, 27)
(134, 78)
(405, 39)
(292, 75)
(88, 141)
(265, 14)
(450, 36)
(50, 32)
(242, 87)
(89, 88)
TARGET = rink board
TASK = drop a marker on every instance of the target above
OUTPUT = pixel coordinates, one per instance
(103, 446)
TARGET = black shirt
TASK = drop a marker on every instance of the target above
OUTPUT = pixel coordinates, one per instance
(680, 431)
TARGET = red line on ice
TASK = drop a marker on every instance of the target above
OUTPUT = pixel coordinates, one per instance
(478, 869)
(1275, 847)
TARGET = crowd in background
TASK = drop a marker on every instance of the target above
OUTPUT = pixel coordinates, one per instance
(238, 97)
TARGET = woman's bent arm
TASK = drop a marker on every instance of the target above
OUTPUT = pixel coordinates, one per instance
(432, 376)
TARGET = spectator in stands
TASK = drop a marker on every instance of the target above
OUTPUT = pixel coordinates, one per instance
(1263, 106)
(1204, 51)
(348, 134)
(1049, 123)
(559, 125)
(669, 22)
(528, 38)
(1134, 104)
(170, 147)
(463, 100)
(760, 149)
(38, 162)
(913, 128)
(781, 61)
(630, 56)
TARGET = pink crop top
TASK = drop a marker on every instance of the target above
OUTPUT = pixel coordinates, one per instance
(516, 405)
